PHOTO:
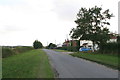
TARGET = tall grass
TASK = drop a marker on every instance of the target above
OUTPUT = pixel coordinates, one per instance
(8, 51)
(22, 49)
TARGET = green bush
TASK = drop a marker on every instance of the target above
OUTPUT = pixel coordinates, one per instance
(71, 48)
(37, 44)
(51, 46)
(22, 49)
(109, 48)
(7, 52)
(68, 48)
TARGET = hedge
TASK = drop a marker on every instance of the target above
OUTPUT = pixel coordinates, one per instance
(68, 48)
(109, 48)
(6, 51)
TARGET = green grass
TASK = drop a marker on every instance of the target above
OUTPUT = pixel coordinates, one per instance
(0, 67)
(60, 50)
(105, 59)
(31, 64)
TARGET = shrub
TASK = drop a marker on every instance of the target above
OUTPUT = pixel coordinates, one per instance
(37, 44)
(7, 52)
(51, 46)
(68, 48)
(22, 49)
(109, 48)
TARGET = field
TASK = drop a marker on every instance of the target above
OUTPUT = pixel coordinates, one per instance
(105, 59)
(30, 64)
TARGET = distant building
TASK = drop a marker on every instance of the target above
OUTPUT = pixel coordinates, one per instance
(83, 43)
(66, 43)
(113, 38)
(88, 44)
(70, 43)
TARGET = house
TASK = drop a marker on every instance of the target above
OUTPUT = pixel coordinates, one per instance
(83, 43)
(112, 39)
(66, 43)
(70, 43)
(88, 44)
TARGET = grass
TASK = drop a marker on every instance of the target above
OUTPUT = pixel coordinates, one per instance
(31, 64)
(0, 67)
(8, 51)
(60, 50)
(105, 59)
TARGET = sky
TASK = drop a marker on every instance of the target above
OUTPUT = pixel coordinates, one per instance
(49, 21)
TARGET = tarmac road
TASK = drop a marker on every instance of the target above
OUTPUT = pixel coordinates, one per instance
(67, 66)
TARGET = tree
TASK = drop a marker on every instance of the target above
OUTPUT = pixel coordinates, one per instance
(92, 25)
(37, 44)
(51, 46)
(118, 38)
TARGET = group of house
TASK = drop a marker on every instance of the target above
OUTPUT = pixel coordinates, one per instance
(86, 43)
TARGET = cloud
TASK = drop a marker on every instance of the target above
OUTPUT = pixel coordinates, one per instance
(8, 29)
(23, 21)
(66, 10)
(11, 2)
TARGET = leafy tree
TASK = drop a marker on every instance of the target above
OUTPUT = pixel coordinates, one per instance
(51, 46)
(92, 25)
(118, 38)
(37, 44)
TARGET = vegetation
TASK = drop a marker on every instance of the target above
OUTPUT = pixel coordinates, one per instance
(118, 38)
(9, 51)
(106, 59)
(30, 64)
(37, 44)
(109, 48)
(0, 67)
(60, 50)
(68, 48)
(51, 46)
(92, 25)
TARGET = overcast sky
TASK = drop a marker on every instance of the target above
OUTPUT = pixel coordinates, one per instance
(23, 21)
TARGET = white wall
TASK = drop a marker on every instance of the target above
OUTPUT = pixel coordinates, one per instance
(90, 43)
(86, 41)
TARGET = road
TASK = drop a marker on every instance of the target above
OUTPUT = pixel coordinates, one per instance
(67, 66)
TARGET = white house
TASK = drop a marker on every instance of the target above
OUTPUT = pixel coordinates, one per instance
(88, 44)
(113, 39)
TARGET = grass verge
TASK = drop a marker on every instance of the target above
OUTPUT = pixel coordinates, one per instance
(31, 64)
(60, 50)
(105, 59)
